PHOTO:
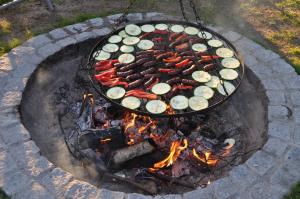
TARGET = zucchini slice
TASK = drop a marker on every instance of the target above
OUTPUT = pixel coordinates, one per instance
(228, 74)
(230, 62)
(131, 41)
(215, 43)
(126, 49)
(133, 29)
(102, 55)
(228, 86)
(179, 102)
(115, 92)
(131, 102)
(207, 34)
(204, 91)
(161, 88)
(177, 28)
(214, 82)
(198, 103)
(123, 34)
(147, 28)
(145, 44)
(115, 39)
(156, 106)
(161, 26)
(110, 48)
(224, 52)
(201, 76)
(191, 30)
(199, 47)
(126, 58)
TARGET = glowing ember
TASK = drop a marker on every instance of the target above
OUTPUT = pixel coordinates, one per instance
(207, 159)
(104, 141)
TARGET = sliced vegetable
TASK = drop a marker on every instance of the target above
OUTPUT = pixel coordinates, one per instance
(204, 91)
(145, 44)
(224, 52)
(126, 58)
(191, 30)
(229, 87)
(179, 102)
(204, 35)
(102, 55)
(123, 34)
(115, 39)
(131, 102)
(228, 74)
(214, 82)
(131, 40)
(199, 47)
(147, 28)
(156, 106)
(215, 43)
(201, 76)
(177, 28)
(141, 94)
(110, 48)
(161, 88)
(115, 92)
(133, 29)
(198, 103)
(161, 26)
(126, 49)
(230, 62)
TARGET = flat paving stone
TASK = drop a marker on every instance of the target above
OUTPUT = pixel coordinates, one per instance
(243, 175)
(7, 164)
(66, 42)
(261, 162)
(35, 191)
(280, 130)
(281, 66)
(226, 187)
(10, 98)
(35, 165)
(295, 97)
(38, 41)
(232, 36)
(48, 50)
(275, 146)
(199, 194)
(58, 33)
(169, 196)
(137, 196)
(277, 112)
(263, 190)
(96, 21)
(77, 28)
(101, 32)
(13, 132)
(80, 190)
(104, 193)
(276, 97)
(135, 16)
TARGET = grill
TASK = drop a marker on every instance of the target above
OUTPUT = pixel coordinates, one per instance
(161, 46)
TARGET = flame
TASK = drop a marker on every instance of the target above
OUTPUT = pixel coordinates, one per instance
(175, 151)
(207, 159)
(170, 110)
(129, 120)
(104, 141)
(130, 142)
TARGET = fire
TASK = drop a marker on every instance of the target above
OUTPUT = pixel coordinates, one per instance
(170, 110)
(129, 120)
(207, 159)
(104, 141)
(175, 151)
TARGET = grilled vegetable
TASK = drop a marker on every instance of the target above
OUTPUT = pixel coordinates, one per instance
(123, 34)
(126, 49)
(204, 91)
(182, 87)
(230, 63)
(174, 35)
(131, 102)
(110, 48)
(228, 74)
(197, 103)
(141, 94)
(147, 28)
(224, 52)
(115, 39)
(115, 92)
(172, 60)
(177, 28)
(131, 41)
(179, 102)
(166, 70)
(191, 30)
(133, 29)
(164, 55)
(183, 63)
(215, 43)
(156, 106)
(182, 47)
(161, 88)
(201, 76)
(204, 35)
(126, 58)
(199, 47)
(145, 44)
(214, 82)
(228, 87)
(161, 26)
(102, 55)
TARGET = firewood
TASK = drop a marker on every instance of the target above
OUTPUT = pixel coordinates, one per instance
(124, 154)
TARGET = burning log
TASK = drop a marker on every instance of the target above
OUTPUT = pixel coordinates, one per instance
(122, 155)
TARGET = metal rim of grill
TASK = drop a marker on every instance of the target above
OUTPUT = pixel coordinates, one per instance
(214, 102)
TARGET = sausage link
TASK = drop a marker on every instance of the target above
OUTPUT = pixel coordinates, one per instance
(175, 72)
(164, 55)
(148, 71)
(152, 75)
(190, 82)
(135, 84)
(149, 82)
(141, 61)
(125, 73)
(127, 67)
(149, 63)
(173, 80)
(133, 76)
(190, 70)
(208, 67)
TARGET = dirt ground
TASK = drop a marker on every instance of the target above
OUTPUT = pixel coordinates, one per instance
(272, 23)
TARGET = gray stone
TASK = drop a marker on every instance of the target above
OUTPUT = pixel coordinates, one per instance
(284, 178)
(243, 175)
(275, 146)
(250, 60)
(66, 42)
(246, 45)
(96, 21)
(281, 66)
(135, 16)
(13, 132)
(15, 84)
(35, 165)
(292, 81)
(261, 162)
(20, 150)
(83, 36)
(10, 99)
(7, 63)
(205, 193)
(48, 50)
(2, 145)
(24, 70)
(101, 32)
(34, 191)
(58, 33)
(7, 163)
(77, 28)
(232, 36)
(296, 135)
(280, 130)
(272, 84)
(295, 97)
(79, 190)
(38, 41)
(225, 187)
(56, 180)
(137, 196)
(169, 196)
(276, 97)
(104, 193)
(277, 112)
(113, 18)
(14, 181)
(261, 71)
(22, 55)
(264, 55)
(215, 28)
(263, 190)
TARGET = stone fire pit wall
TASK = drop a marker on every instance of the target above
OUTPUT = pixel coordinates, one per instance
(268, 173)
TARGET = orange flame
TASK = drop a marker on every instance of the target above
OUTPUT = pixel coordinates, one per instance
(170, 110)
(207, 159)
(104, 141)
(129, 120)
(175, 151)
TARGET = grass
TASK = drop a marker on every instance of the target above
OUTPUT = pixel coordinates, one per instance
(3, 195)
(294, 193)
(4, 1)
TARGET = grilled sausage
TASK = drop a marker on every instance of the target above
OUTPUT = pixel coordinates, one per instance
(170, 64)
(187, 53)
(125, 73)
(152, 75)
(175, 72)
(119, 65)
(135, 84)
(190, 70)
(164, 55)
(127, 67)
(208, 67)
(141, 61)
(173, 80)
(149, 81)
(149, 63)
(133, 76)
(148, 71)
(182, 47)
(143, 56)
(144, 53)
(190, 82)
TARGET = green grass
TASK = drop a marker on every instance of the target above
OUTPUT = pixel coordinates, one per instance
(3, 195)
(295, 192)
(4, 1)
